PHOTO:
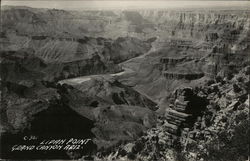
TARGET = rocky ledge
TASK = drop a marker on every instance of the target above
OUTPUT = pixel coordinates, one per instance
(187, 76)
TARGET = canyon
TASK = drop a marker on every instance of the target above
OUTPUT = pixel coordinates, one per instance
(142, 84)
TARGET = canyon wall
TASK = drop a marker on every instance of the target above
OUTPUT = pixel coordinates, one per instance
(165, 51)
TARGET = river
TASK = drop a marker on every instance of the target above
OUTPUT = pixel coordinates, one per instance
(79, 80)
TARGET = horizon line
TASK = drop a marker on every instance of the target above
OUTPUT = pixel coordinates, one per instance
(125, 4)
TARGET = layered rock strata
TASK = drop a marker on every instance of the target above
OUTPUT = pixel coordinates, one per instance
(187, 76)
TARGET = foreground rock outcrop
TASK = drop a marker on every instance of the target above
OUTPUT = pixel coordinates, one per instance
(217, 129)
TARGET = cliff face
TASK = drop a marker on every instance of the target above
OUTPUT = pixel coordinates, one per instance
(222, 116)
(187, 76)
(199, 24)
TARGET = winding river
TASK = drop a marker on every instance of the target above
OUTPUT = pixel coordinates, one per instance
(79, 80)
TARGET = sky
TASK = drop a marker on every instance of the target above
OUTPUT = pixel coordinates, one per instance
(124, 4)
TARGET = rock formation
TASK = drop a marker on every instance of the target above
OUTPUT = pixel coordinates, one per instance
(198, 123)
(188, 76)
(186, 89)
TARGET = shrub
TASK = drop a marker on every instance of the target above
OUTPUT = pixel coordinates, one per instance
(230, 146)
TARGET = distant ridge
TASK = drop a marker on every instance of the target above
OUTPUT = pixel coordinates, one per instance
(127, 5)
